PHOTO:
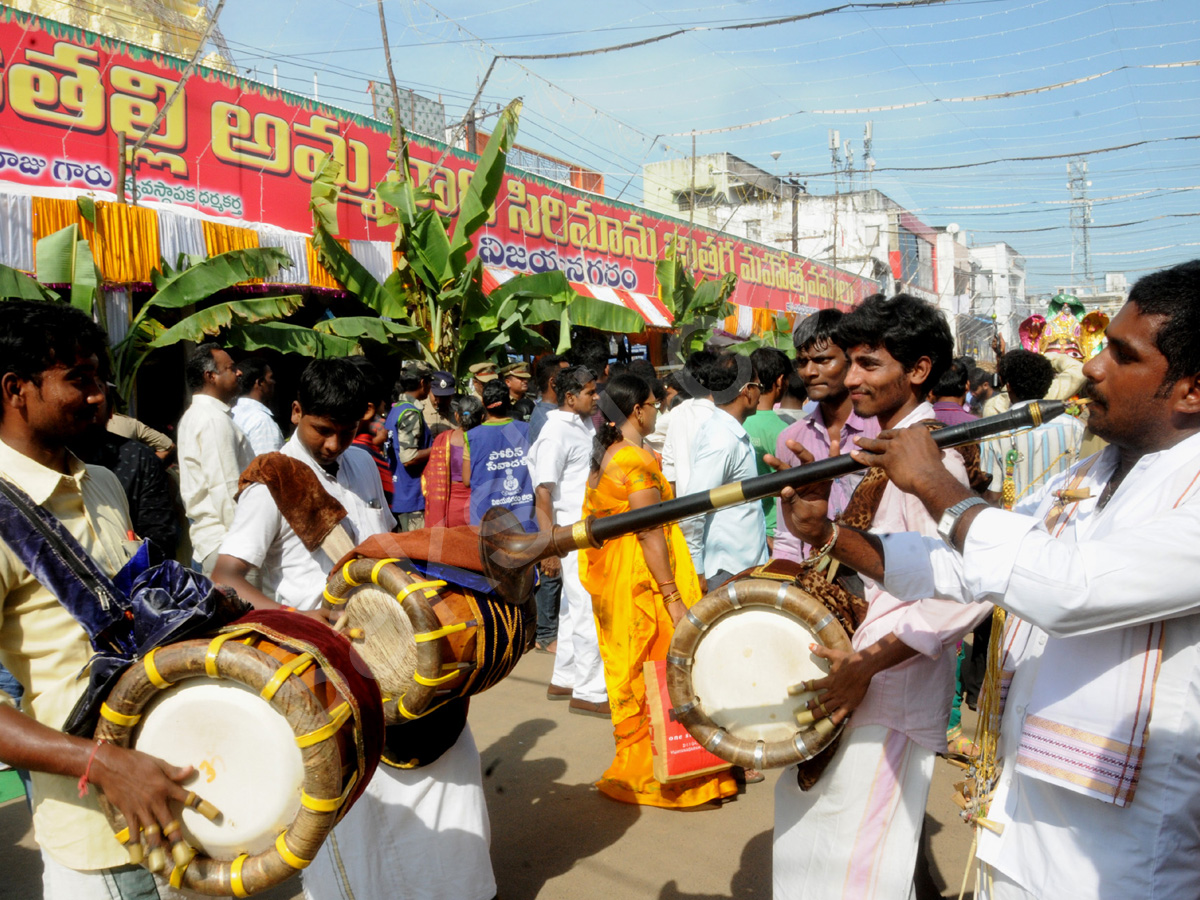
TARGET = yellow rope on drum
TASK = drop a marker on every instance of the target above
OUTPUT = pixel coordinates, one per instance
(379, 566)
(295, 666)
(235, 876)
(346, 574)
(117, 718)
(337, 719)
(430, 588)
(152, 671)
(281, 847)
(210, 657)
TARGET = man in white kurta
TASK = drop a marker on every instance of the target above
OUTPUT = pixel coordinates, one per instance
(561, 460)
(1099, 795)
(420, 833)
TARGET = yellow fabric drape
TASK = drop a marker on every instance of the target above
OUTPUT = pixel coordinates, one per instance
(318, 275)
(51, 215)
(219, 238)
(633, 627)
(124, 242)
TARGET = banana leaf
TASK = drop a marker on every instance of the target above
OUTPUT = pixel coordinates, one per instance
(381, 330)
(429, 241)
(474, 207)
(65, 258)
(216, 274)
(325, 194)
(291, 339)
(209, 322)
(16, 285)
(87, 209)
(355, 278)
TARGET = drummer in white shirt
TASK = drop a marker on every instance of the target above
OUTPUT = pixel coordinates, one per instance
(428, 824)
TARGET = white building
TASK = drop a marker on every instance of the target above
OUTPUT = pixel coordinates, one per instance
(998, 289)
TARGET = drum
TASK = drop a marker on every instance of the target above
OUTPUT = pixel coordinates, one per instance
(427, 640)
(732, 660)
(284, 728)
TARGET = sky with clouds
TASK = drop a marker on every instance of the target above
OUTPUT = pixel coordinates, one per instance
(976, 105)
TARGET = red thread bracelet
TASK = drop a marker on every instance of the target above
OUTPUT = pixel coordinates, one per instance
(87, 771)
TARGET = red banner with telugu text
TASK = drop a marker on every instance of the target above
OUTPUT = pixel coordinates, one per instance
(240, 149)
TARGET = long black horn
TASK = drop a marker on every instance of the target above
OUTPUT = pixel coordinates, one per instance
(513, 548)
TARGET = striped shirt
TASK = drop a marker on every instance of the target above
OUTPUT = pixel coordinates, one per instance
(1045, 451)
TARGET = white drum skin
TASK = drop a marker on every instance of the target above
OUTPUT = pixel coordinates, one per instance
(744, 665)
(245, 756)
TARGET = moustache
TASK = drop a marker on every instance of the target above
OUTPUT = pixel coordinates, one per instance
(1089, 391)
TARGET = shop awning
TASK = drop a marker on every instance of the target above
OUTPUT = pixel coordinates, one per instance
(648, 306)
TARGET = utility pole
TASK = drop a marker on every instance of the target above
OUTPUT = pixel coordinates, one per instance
(692, 189)
(835, 144)
(1081, 219)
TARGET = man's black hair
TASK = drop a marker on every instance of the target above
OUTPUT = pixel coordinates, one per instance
(251, 371)
(730, 373)
(796, 387)
(571, 380)
(908, 328)
(953, 382)
(496, 399)
(201, 363)
(1173, 294)
(771, 365)
(594, 355)
(37, 335)
(676, 382)
(1027, 374)
(376, 386)
(544, 370)
(337, 389)
(697, 372)
(409, 381)
(978, 378)
(819, 328)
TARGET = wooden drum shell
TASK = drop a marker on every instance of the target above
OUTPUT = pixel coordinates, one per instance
(764, 593)
(332, 766)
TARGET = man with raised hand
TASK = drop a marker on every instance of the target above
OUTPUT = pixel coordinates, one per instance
(1099, 791)
(830, 429)
(855, 832)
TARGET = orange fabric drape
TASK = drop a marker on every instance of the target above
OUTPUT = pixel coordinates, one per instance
(318, 275)
(219, 238)
(125, 244)
(51, 215)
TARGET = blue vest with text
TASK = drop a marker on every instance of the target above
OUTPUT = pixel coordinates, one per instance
(500, 470)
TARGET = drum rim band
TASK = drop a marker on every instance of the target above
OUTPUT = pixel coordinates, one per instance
(285, 853)
(118, 718)
(235, 875)
(176, 878)
(292, 667)
(337, 719)
(330, 804)
(152, 671)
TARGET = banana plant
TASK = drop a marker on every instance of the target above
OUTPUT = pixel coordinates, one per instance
(693, 303)
(437, 286)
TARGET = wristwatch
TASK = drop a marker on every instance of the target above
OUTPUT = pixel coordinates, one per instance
(950, 517)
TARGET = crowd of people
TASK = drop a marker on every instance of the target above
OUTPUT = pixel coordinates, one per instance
(1092, 556)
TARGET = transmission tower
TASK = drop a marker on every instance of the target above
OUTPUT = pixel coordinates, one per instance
(1081, 220)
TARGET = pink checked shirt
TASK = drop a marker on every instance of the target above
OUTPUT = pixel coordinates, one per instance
(914, 697)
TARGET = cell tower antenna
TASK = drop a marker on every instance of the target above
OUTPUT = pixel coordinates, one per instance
(1081, 220)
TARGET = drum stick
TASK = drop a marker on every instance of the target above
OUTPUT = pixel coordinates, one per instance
(603, 529)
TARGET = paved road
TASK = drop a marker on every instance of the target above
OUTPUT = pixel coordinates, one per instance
(554, 837)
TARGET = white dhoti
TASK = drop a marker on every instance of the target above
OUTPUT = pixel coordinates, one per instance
(854, 835)
(577, 662)
(420, 834)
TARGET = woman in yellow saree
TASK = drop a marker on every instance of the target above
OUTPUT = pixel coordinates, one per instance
(641, 585)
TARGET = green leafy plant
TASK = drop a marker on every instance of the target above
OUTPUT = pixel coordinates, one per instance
(437, 287)
(695, 304)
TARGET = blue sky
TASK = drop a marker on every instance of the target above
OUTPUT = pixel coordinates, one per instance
(614, 111)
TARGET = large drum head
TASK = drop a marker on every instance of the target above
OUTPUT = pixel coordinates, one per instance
(743, 666)
(245, 756)
(382, 633)
(730, 665)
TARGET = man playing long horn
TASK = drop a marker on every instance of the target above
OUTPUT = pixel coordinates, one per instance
(1099, 794)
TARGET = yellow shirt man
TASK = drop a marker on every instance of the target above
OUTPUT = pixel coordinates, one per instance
(48, 651)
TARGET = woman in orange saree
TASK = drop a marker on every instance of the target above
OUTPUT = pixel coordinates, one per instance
(641, 585)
